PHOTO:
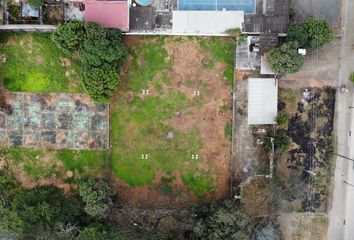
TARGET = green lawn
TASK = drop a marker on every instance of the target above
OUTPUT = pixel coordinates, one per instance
(34, 64)
(139, 125)
(42, 164)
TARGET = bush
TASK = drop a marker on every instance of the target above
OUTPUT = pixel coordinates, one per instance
(98, 83)
(282, 118)
(298, 33)
(285, 59)
(281, 142)
(97, 196)
(36, 3)
(69, 36)
(352, 77)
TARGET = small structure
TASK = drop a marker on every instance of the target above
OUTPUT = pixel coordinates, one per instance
(262, 101)
(266, 69)
(206, 22)
(111, 14)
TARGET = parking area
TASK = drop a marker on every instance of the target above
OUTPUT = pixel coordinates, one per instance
(55, 121)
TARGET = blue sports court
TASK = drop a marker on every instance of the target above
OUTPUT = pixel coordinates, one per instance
(248, 6)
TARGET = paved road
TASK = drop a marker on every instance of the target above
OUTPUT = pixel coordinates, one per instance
(341, 216)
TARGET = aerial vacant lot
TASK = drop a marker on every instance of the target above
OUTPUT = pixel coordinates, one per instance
(170, 120)
(35, 64)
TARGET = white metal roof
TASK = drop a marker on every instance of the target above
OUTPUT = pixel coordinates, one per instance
(262, 101)
(206, 22)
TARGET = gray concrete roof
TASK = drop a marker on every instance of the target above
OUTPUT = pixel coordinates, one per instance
(262, 101)
(206, 22)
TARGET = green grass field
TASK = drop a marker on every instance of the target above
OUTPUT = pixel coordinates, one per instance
(139, 125)
(42, 164)
(34, 64)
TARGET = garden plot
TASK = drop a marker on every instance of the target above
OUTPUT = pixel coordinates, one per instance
(53, 121)
(170, 121)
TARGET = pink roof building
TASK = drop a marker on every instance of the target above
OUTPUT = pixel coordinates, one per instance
(111, 14)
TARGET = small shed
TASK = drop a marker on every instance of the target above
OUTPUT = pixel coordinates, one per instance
(111, 14)
(262, 101)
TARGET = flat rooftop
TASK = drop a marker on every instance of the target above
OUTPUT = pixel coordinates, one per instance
(262, 101)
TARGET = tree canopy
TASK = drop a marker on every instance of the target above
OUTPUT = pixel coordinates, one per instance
(101, 53)
(223, 220)
(36, 3)
(97, 196)
(285, 59)
(313, 33)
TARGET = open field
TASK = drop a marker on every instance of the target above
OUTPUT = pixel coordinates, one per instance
(35, 64)
(172, 145)
(62, 168)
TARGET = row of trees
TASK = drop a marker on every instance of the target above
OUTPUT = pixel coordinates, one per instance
(312, 33)
(101, 51)
(45, 212)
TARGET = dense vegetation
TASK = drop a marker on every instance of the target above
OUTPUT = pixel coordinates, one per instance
(101, 53)
(45, 212)
(312, 33)
(285, 59)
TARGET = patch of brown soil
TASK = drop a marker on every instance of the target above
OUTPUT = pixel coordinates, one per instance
(27, 181)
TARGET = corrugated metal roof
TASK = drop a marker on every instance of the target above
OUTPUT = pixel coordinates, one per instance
(206, 22)
(262, 101)
(111, 14)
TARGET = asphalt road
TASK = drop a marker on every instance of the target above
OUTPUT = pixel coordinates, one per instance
(341, 215)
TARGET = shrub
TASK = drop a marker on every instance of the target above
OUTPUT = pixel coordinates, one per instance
(282, 118)
(99, 83)
(281, 142)
(97, 196)
(69, 36)
(36, 3)
(285, 59)
(352, 77)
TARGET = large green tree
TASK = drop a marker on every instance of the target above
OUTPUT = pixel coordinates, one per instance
(285, 59)
(319, 32)
(313, 33)
(69, 36)
(97, 195)
(298, 33)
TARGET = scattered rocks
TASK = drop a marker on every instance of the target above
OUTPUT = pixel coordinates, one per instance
(178, 114)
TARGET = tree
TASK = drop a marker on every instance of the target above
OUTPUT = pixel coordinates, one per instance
(103, 53)
(267, 232)
(285, 59)
(298, 33)
(69, 36)
(36, 213)
(319, 32)
(222, 220)
(281, 141)
(36, 3)
(97, 196)
(98, 83)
